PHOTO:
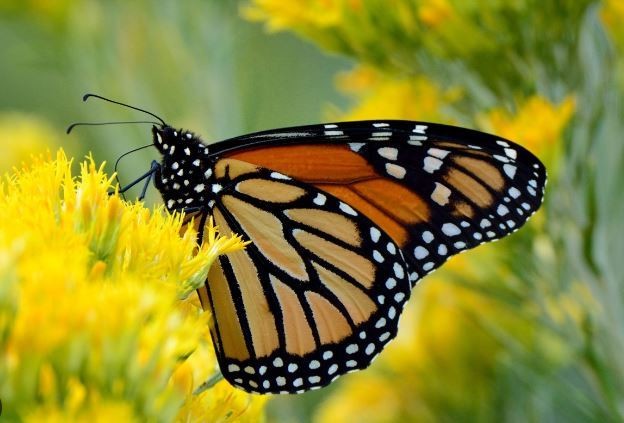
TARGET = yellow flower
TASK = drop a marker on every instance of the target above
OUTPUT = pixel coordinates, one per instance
(25, 135)
(287, 14)
(92, 327)
(434, 13)
(384, 97)
(612, 14)
(538, 124)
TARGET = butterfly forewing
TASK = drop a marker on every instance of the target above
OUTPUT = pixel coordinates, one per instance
(435, 189)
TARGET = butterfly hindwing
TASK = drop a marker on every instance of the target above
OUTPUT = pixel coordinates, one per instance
(317, 293)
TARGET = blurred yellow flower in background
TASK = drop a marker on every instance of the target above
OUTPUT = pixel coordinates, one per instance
(538, 124)
(381, 96)
(91, 322)
(24, 135)
(285, 14)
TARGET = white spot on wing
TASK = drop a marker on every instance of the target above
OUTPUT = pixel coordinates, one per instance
(320, 199)
(277, 175)
(510, 170)
(420, 252)
(356, 146)
(395, 170)
(450, 229)
(347, 209)
(511, 153)
(389, 153)
(441, 194)
(333, 133)
(432, 164)
(437, 152)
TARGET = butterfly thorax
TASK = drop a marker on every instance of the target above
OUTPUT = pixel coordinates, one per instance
(184, 177)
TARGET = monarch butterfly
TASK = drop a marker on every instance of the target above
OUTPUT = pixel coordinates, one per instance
(344, 219)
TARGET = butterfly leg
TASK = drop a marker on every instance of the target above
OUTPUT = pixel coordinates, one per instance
(147, 176)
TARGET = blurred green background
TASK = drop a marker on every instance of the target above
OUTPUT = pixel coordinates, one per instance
(198, 65)
(528, 329)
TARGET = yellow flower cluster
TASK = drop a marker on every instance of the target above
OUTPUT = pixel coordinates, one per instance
(24, 135)
(612, 14)
(380, 96)
(92, 327)
(538, 124)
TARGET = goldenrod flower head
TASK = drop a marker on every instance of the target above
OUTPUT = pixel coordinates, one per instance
(382, 96)
(91, 322)
(538, 124)
(287, 14)
(612, 14)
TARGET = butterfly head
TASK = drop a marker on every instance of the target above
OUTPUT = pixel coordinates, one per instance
(183, 177)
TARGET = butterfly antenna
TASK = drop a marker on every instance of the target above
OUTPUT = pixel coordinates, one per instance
(119, 160)
(73, 125)
(87, 96)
